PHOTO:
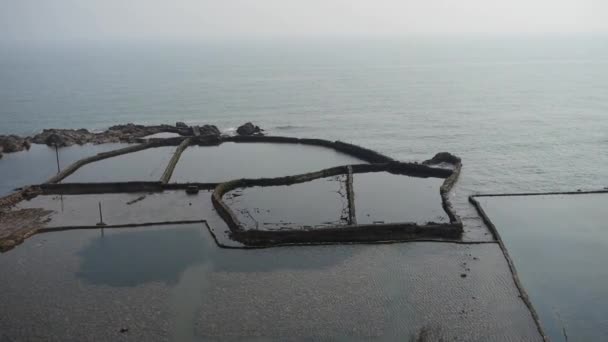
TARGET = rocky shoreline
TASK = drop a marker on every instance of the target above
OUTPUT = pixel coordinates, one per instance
(128, 133)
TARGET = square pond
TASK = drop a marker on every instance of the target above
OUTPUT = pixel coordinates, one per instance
(318, 203)
(383, 197)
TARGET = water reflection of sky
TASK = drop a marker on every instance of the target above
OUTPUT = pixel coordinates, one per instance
(132, 258)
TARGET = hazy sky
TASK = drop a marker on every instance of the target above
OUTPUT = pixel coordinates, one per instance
(153, 19)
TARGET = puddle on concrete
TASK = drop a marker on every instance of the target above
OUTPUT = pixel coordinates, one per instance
(40, 163)
(146, 165)
(162, 135)
(559, 245)
(383, 197)
(172, 283)
(210, 164)
(318, 203)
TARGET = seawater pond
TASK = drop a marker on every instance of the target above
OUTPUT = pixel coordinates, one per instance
(318, 203)
(383, 197)
(40, 163)
(211, 164)
(145, 165)
(559, 244)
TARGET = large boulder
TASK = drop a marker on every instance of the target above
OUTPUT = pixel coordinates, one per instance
(180, 124)
(249, 129)
(210, 130)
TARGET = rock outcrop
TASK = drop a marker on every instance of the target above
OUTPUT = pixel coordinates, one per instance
(442, 157)
(13, 143)
(249, 129)
(210, 130)
(128, 133)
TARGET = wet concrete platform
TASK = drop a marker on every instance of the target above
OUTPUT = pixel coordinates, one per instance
(174, 283)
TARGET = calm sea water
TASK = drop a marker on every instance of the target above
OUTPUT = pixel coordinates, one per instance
(525, 114)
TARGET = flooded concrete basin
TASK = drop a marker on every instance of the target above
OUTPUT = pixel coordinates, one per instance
(383, 197)
(315, 204)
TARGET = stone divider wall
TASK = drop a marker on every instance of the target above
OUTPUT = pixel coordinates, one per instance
(115, 187)
(350, 196)
(444, 190)
(350, 233)
(173, 162)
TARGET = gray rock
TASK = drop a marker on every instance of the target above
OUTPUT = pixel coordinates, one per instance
(120, 133)
(180, 124)
(442, 157)
(13, 143)
(210, 130)
(249, 129)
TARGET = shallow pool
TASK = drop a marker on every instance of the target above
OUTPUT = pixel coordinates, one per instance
(318, 203)
(383, 197)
